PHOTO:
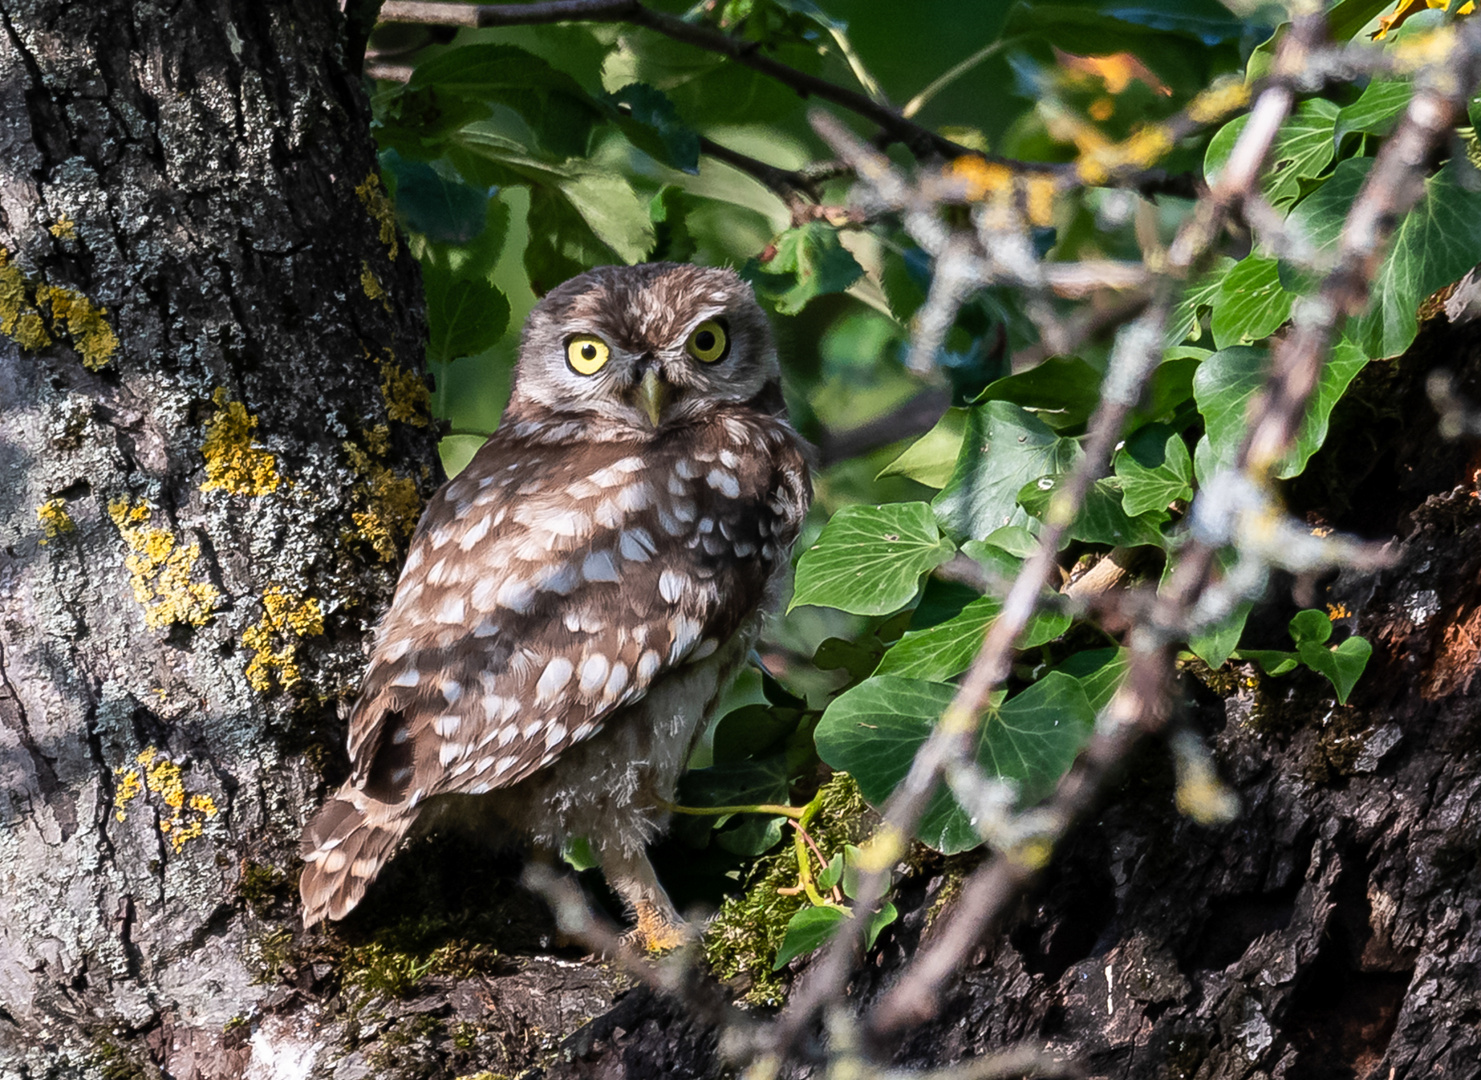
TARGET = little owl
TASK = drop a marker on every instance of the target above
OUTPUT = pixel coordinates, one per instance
(576, 599)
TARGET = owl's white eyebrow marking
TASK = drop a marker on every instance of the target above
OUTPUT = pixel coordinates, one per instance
(648, 665)
(636, 545)
(723, 482)
(556, 733)
(451, 610)
(704, 649)
(616, 682)
(686, 469)
(593, 673)
(447, 725)
(451, 690)
(516, 595)
(685, 631)
(476, 532)
(557, 673)
(409, 677)
(671, 585)
(598, 566)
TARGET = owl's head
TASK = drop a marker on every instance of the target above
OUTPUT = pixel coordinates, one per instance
(643, 347)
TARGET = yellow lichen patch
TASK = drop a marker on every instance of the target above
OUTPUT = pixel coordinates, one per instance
(980, 176)
(372, 285)
(19, 319)
(378, 206)
(54, 519)
(405, 394)
(286, 617)
(160, 569)
(390, 503)
(63, 228)
(1227, 95)
(998, 185)
(233, 462)
(1338, 611)
(83, 322)
(1406, 8)
(1142, 150)
(182, 817)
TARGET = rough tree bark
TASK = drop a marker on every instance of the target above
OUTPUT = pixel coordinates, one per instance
(212, 441)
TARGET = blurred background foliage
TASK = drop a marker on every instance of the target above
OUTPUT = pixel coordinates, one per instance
(517, 156)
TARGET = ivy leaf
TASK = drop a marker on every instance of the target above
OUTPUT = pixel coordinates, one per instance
(1216, 644)
(930, 459)
(1376, 110)
(1303, 148)
(869, 559)
(1101, 519)
(741, 783)
(1062, 391)
(1100, 672)
(442, 209)
(1155, 470)
(652, 124)
(807, 930)
(1250, 304)
(1310, 627)
(1198, 297)
(947, 649)
(1005, 447)
(1342, 664)
(1226, 381)
(874, 730)
(809, 261)
(464, 317)
(1271, 661)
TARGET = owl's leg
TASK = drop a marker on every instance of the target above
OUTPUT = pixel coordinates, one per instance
(659, 926)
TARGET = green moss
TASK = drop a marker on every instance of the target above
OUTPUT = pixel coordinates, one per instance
(113, 1063)
(743, 938)
(261, 886)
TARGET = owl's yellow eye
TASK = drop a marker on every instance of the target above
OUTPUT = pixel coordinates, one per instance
(587, 354)
(708, 342)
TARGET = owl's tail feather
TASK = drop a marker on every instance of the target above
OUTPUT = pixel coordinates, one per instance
(343, 848)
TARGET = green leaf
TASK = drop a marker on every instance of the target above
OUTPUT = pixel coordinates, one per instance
(1014, 539)
(1099, 671)
(752, 730)
(1310, 627)
(1101, 519)
(946, 649)
(578, 854)
(832, 874)
(1341, 664)
(1376, 110)
(1303, 148)
(669, 211)
(1005, 447)
(741, 783)
(807, 930)
(1198, 297)
(1155, 469)
(1271, 661)
(1347, 17)
(808, 261)
(930, 459)
(1062, 391)
(464, 317)
(652, 124)
(877, 922)
(1250, 304)
(869, 559)
(442, 209)
(874, 730)
(1215, 645)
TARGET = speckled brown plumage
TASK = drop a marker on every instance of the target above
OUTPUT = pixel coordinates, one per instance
(575, 600)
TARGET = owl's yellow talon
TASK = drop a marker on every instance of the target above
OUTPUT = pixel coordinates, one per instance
(657, 931)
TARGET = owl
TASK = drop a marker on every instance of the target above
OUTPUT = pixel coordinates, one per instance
(575, 601)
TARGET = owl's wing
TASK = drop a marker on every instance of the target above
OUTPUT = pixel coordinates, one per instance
(547, 587)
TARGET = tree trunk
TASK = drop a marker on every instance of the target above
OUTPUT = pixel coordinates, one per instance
(213, 439)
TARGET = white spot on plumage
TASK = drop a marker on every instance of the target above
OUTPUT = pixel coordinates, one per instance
(593, 673)
(532, 729)
(648, 666)
(686, 469)
(365, 867)
(451, 690)
(486, 627)
(573, 621)
(516, 595)
(744, 548)
(636, 545)
(505, 764)
(598, 566)
(553, 680)
(481, 788)
(414, 559)
(671, 585)
(636, 496)
(398, 650)
(684, 509)
(334, 862)
(449, 752)
(685, 632)
(401, 734)
(729, 459)
(713, 545)
(629, 465)
(705, 526)
(409, 677)
(561, 580)
(616, 682)
(476, 532)
(723, 482)
(451, 610)
(556, 733)
(677, 486)
(460, 768)
(582, 732)
(670, 524)
(506, 734)
(447, 725)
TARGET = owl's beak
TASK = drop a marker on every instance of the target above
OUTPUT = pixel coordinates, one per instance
(653, 395)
